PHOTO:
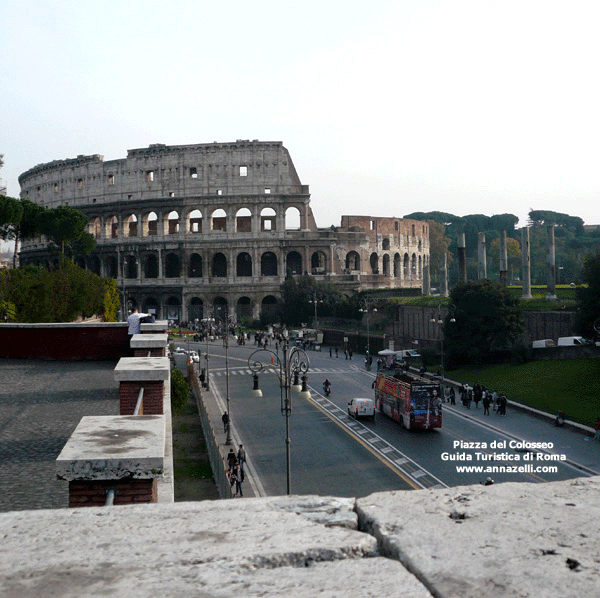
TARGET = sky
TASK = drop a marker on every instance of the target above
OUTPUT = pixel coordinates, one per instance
(387, 107)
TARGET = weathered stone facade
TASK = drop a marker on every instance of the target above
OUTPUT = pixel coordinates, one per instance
(193, 230)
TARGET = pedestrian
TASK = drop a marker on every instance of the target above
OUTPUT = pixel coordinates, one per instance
(477, 394)
(225, 420)
(502, 407)
(597, 429)
(336, 353)
(452, 396)
(233, 481)
(349, 353)
(241, 456)
(330, 352)
(559, 422)
(202, 378)
(238, 473)
(486, 400)
(231, 459)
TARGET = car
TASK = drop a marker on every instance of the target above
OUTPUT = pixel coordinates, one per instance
(195, 357)
(180, 351)
(361, 407)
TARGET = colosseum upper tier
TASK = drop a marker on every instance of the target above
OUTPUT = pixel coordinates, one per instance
(191, 231)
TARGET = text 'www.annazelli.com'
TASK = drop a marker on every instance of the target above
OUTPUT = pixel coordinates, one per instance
(528, 468)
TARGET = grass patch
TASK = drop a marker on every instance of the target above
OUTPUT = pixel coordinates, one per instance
(572, 385)
(192, 469)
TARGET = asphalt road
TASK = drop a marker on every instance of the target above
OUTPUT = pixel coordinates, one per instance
(331, 453)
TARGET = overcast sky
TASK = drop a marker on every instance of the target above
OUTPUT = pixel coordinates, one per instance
(387, 107)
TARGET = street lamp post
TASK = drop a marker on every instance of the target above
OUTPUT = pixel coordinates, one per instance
(437, 319)
(316, 301)
(225, 326)
(366, 308)
(294, 362)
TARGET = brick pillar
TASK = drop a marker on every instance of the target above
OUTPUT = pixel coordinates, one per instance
(155, 344)
(125, 453)
(127, 492)
(152, 373)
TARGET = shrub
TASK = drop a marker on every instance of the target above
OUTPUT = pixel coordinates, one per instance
(179, 392)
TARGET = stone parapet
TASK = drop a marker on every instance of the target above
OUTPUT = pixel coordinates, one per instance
(158, 327)
(123, 453)
(150, 373)
(155, 344)
(501, 541)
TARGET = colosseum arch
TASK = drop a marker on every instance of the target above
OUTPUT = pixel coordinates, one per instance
(318, 263)
(194, 221)
(172, 223)
(130, 226)
(219, 265)
(111, 230)
(243, 221)
(243, 265)
(111, 265)
(292, 219)
(218, 220)
(413, 266)
(243, 308)
(195, 309)
(195, 266)
(406, 267)
(397, 266)
(95, 227)
(293, 263)
(150, 224)
(353, 261)
(268, 264)
(220, 308)
(420, 266)
(172, 266)
(385, 244)
(268, 219)
(374, 263)
(130, 267)
(151, 266)
(174, 308)
(386, 264)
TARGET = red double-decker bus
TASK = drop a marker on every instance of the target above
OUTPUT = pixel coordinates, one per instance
(410, 400)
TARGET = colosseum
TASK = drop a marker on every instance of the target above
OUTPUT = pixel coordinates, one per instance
(189, 231)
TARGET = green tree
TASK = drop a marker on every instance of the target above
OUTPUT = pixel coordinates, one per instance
(487, 318)
(111, 300)
(11, 213)
(438, 247)
(64, 226)
(589, 297)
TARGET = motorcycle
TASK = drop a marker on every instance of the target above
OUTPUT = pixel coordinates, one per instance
(326, 390)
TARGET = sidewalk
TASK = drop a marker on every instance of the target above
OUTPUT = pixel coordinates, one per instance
(574, 440)
(211, 407)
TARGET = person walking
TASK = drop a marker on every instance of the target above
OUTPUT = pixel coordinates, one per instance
(502, 406)
(486, 400)
(241, 456)
(225, 420)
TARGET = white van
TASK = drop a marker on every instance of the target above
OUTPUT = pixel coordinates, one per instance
(361, 408)
(569, 341)
(543, 343)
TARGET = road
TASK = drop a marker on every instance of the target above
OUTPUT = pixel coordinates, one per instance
(332, 454)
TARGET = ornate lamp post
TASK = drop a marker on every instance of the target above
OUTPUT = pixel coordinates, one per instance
(365, 307)
(225, 326)
(437, 319)
(315, 300)
(294, 362)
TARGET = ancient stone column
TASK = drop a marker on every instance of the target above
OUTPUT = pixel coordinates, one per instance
(444, 284)
(525, 263)
(481, 257)
(503, 259)
(462, 258)
(551, 261)
(426, 279)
